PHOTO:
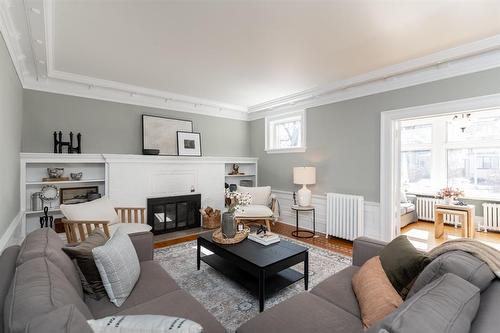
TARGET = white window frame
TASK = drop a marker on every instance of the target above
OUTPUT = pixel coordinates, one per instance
(439, 149)
(270, 143)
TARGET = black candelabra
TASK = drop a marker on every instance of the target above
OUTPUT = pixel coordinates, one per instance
(46, 220)
(59, 144)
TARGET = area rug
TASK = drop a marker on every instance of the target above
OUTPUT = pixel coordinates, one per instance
(230, 303)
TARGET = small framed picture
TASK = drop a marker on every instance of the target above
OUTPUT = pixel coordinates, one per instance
(75, 195)
(188, 143)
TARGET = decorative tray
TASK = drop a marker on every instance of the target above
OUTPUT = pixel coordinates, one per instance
(239, 237)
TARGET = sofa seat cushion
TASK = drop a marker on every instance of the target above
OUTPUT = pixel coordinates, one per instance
(178, 303)
(407, 207)
(66, 319)
(301, 313)
(153, 282)
(44, 242)
(488, 316)
(337, 289)
(255, 211)
(39, 287)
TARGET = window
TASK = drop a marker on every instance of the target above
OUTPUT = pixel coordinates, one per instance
(438, 152)
(286, 133)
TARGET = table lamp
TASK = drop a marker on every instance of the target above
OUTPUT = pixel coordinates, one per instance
(304, 176)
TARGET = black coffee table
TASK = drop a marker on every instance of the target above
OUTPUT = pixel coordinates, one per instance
(261, 269)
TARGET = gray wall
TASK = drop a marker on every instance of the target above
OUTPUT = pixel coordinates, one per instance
(109, 127)
(11, 113)
(343, 139)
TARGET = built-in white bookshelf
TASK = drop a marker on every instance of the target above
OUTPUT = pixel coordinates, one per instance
(34, 170)
(247, 171)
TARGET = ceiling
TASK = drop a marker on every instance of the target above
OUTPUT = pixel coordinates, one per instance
(241, 55)
(249, 52)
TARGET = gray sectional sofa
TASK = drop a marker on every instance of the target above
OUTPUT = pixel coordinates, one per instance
(38, 278)
(331, 306)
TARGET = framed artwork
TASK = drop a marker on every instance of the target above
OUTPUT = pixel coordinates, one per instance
(74, 195)
(188, 143)
(161, 133)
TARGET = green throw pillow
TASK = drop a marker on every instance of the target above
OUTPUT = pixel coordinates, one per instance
(402, 263)
(84, 260)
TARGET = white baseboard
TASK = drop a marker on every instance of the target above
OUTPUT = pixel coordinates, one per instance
(371, 211)
(12, 236)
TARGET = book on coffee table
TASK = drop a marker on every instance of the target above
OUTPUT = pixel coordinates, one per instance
(267, 238)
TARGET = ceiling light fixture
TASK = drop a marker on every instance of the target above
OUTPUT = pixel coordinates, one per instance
(462, 121)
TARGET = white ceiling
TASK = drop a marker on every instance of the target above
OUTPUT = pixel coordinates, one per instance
(250, 52)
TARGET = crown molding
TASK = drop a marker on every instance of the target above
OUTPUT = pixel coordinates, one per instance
(464, 59)
(28, 30)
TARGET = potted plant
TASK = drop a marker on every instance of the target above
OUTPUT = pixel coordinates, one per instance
(449, 194)
(237, 201)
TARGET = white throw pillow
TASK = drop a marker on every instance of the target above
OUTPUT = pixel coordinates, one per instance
(97, 210)
(118, 266)
(254, 211)
(260, 195)
(144, 324)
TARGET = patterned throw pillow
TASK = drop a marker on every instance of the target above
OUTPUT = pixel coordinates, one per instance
(402, 263)
(85, 264)
(376, 296)
(144, 323)
(118, 266)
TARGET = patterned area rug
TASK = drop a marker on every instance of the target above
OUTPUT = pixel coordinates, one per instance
(230, 303)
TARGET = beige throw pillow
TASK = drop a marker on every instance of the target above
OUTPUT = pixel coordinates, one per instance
(376, 296)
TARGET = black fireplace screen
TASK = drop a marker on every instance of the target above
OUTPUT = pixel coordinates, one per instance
(168, 214)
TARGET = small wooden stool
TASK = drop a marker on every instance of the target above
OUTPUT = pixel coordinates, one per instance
(465, 213)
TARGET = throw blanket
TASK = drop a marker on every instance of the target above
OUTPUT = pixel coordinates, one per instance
(479, 250)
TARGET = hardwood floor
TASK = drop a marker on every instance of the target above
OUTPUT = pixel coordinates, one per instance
(421, 234)
(334, 244)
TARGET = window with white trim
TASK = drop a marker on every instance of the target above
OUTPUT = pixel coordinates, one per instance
(441, 151)
(286, 133)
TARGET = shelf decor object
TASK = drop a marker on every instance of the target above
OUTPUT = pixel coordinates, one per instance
(59, 144)
(49, 193)
(304, 176)
(188, 143)
(161, 133)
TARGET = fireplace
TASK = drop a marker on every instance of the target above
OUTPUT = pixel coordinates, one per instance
(174, 213)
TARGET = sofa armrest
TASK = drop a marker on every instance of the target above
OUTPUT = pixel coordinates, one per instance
(143, 244)
(365, 248)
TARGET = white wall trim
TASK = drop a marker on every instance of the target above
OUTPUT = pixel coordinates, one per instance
(34, 63)
(285, 198)
(12, 235)
(390, 152)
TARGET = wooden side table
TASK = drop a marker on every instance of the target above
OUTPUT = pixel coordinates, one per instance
(296, 232)
(466, 214)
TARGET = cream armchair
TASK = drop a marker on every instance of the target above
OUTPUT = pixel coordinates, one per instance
(81, 219)
(264, 206)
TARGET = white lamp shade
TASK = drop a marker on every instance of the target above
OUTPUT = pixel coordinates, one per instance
(304, 175)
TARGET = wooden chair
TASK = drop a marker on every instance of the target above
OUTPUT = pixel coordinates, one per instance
(255, 220)
(77, 230)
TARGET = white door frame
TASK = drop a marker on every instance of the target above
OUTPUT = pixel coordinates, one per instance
(390, 151)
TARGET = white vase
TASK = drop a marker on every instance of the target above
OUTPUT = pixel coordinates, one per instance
(448, 201)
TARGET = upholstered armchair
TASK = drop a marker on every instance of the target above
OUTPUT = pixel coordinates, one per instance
(81, 219)
(264, 206)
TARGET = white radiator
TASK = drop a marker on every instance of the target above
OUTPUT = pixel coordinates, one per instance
(425, 210)
(344, 215)
(491, 216)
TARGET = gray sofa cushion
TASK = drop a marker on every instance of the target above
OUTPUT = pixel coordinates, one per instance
(153, 282)
(459, 263)
(44, 242)
(66, 319)
(301, 313)
(488, 316)
(449, 304)
(38, 287)
(7, 269)
(178, 303)
(337, 289)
